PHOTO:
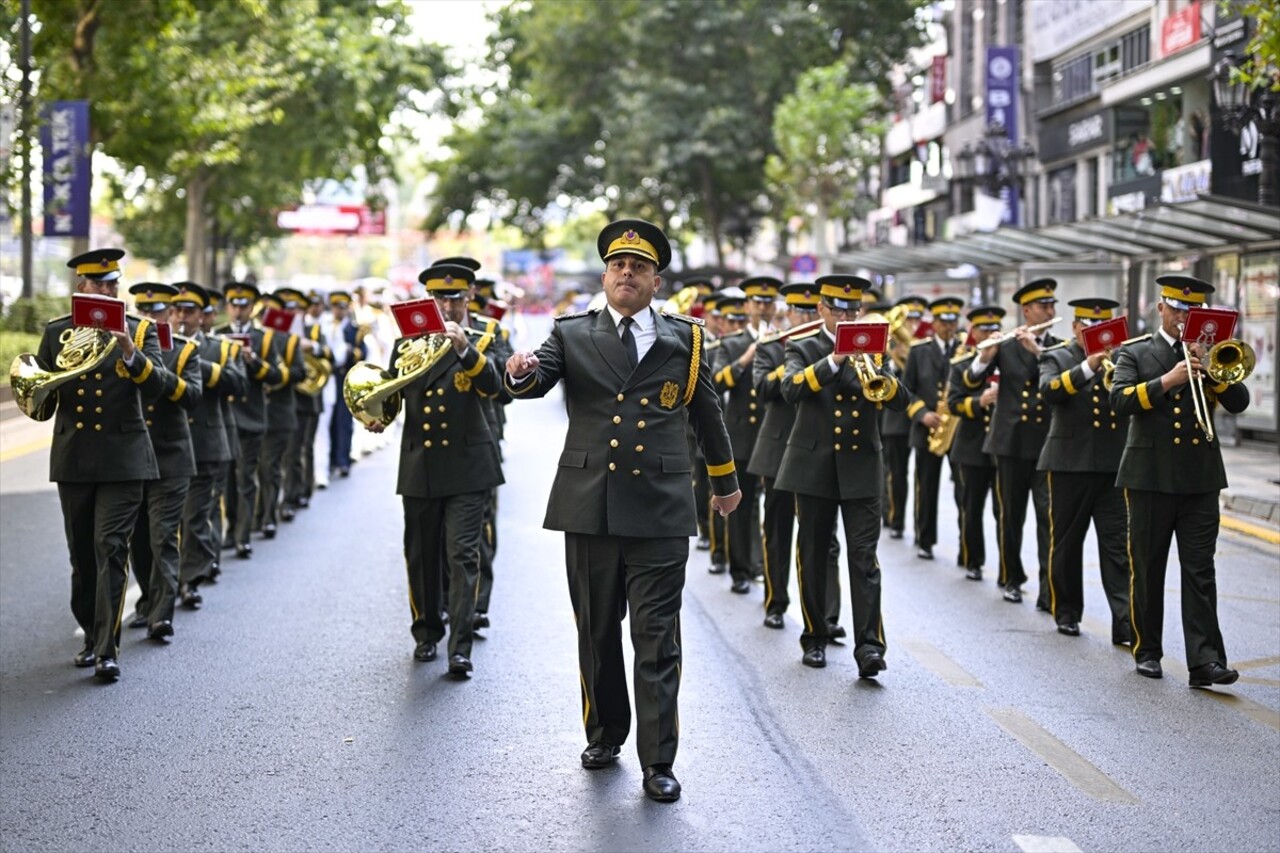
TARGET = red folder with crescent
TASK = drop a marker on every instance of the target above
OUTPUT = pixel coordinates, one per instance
(418, 317)
(275, 318)
(100, 312)
(1209, 326)
(855, 338)
(165, 333)
(1106, 335)
(495, 309)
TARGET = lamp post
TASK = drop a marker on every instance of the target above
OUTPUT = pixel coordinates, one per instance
(1233, 96)
(994, 162)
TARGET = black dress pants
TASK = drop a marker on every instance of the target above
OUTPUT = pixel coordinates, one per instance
(975, 483)
(1017, 480)
(442, 536)
(1075, 500)
(897, 451)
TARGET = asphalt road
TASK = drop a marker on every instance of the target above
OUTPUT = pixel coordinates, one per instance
(288, 713)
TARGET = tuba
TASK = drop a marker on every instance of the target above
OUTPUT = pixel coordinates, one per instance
(316, 373)
(373, 394)
(84, 348)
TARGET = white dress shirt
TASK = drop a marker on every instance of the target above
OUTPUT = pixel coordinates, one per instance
(644, 329)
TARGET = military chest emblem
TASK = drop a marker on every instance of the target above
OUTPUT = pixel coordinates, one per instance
(121, 370)
(462, 382)
(669, 394)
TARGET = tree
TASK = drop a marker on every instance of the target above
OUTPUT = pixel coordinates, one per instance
(828, 135)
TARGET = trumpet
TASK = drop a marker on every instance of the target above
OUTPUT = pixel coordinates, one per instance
(875, 387)
(1227, 363)
(1108, 371)
(1001, 337)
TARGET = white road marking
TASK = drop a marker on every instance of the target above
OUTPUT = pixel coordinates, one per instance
(1045, 844)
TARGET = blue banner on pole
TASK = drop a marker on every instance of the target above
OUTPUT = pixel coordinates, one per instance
(67, 176)
(1002, 109)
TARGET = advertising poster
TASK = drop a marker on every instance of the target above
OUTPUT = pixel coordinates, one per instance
(1260, 289)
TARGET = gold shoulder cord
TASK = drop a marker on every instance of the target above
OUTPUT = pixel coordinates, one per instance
(695, 361)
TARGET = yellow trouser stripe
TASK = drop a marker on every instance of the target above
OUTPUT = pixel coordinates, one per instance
(1128, 542)
(804, 611)
(1053, 596)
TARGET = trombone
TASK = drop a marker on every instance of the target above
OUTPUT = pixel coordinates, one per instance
(1227, 363)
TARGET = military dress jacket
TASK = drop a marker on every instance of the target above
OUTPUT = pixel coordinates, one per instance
(282, 396)
(625, 469)
(1165, 449)
(1020, 422)
(779, 415)
(99, 433)
(251, 406)
(975, 421)
(231, 389)
(497, 350)
(891, 422)
(1085, 433)
(926, 377)
(223, 377)
(834, 448)
(446, 446)
(168, 413)
(742, 411)
(313, 403)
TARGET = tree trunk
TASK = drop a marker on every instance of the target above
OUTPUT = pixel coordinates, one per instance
(821, 246)
(712, 209)
(195, 241)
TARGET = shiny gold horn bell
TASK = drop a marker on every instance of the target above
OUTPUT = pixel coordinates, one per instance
(1230, 362)
(83, 349)
(373, 394)
(875, 387)
(316, 373)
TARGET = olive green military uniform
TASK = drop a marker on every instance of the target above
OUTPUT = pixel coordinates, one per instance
(927, 374)
(300, 472)
(498, 351)
(743, 412)
(895, 433)
(282, 423)
(974, 467)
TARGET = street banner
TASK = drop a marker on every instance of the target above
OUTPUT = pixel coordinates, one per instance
(64, 136)
(1002, 110)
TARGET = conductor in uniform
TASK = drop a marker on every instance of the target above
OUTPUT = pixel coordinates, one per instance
(100, 458)
(1018, 431)
(1171, 473)
(622, 494)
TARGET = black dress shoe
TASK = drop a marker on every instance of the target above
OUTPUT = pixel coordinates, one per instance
(85, 657)
(974, 574)
(268, 531)
(1212, 673)
(1071, 629)
(741, 586)
(304, 502)
(424, 652)
(704, 543)
(717, 568)
(895, 534)
(139, 620)
(188, 597)
(815, 657)
(160, 630)
(287, 513)
(871, 665)
(598, 755)
(773, 620)
(660, 784)
(1121, 636)
(106, 669)
(460, 666)
(344, 472)
(244, 552)
(924, 553)
(1013, 594)
(1149, 669)
(481, 620)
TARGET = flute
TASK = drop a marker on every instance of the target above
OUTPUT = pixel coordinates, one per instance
(1001, 337)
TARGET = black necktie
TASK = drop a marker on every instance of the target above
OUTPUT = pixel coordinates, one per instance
(1177, 348)
(629, 341)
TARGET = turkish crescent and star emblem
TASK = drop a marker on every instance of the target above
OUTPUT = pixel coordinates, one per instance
(669, 394)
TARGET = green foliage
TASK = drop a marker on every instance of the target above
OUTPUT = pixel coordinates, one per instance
(12, 345)
(662, 109)
(1261, 62)
(30, 315)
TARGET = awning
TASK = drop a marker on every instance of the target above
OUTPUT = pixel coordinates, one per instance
(1210, 222)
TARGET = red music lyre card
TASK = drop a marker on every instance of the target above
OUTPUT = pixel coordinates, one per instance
(100, 312)
(418, 317)
(854, 338)
(240, 338)
(924, 330)
(1209, 326)
(495, 309)
(275, 318)
(1106, 335)
(165, 333)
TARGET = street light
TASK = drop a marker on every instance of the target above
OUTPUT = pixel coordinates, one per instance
(1233, 96)
(994, 162)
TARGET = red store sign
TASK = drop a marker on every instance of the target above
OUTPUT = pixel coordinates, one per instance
(1180, 30)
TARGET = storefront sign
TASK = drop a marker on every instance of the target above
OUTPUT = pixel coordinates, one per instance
(1069, 135)
(1180, 30)
(67, 177)
(1260, 280)
(1002, 109)
(938, 80)
(1184, 183)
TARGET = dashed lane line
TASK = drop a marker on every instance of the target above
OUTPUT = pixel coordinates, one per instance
(933, 659)
(1072, 765)
(1045, 844)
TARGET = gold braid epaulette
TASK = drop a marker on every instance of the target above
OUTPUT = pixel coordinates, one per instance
(695, 362)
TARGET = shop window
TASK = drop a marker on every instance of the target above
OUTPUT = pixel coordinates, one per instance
(900, 169)
(1062, 195)
(1153, 134)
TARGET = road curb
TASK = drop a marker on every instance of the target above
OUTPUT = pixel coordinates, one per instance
(1256, 531)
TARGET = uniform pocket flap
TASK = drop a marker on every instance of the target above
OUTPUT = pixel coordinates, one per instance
(676, 463)
(573, 459)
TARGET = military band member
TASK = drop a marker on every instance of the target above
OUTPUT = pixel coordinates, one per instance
(1080, 458)
(154, 551)
(225, 492)
(282, 409)
(1171, 473)
(732, 370)
(261, 369)
(716, 528)
(927, 374)
(633, 377)
(349, 348)
(801, 299)
(701, 484)
(974, 467)
(222, 376)
(833, 466)
(300, 469)
(448, 465)
(1018, 431)
(895, 428)
(100, 457)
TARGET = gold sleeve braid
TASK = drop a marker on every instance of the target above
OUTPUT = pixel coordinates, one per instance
(695, 362)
